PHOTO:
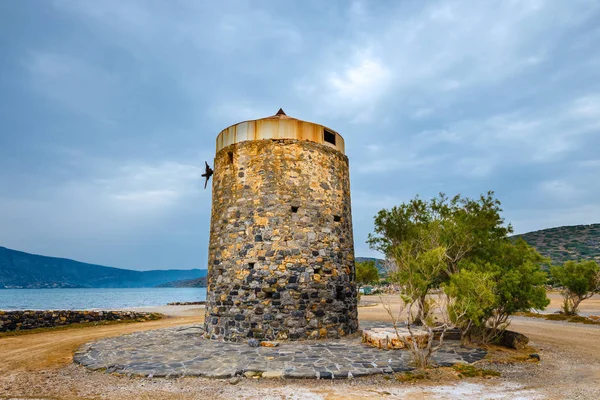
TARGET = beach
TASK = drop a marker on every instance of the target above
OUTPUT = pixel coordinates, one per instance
(40, 366)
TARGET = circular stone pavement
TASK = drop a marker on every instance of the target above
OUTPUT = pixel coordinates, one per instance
(176, 352)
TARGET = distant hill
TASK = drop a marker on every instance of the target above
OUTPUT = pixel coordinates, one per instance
(579, 242)
(193, 283)
(23, 270)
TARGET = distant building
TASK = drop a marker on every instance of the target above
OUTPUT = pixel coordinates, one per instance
(281, 254)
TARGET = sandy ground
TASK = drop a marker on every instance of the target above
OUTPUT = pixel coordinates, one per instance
(38, 366)
(55, 349)
(173, 311)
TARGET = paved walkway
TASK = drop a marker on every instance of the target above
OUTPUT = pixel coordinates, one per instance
(182, 351)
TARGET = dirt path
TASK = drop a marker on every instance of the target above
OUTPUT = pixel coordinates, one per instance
(55, 349)
(570, 366)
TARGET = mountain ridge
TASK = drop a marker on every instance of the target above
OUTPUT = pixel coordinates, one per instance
(566, 243)
(185, 283)
(22, 270)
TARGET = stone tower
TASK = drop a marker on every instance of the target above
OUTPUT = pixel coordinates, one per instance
(281, 253)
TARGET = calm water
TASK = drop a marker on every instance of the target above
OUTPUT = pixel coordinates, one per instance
(85, 299)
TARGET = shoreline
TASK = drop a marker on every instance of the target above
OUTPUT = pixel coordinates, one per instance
(137, 309)
(167, 311)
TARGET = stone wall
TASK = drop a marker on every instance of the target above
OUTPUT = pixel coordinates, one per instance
(281, 254)
(23, 320)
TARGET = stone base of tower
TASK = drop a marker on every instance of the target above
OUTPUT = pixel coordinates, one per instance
(281, 256)
(315, 313)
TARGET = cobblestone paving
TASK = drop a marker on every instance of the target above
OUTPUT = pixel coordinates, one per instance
(181, 351)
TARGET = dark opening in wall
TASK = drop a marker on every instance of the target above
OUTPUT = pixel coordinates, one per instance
(329, 137)
(339, 293)
(229, 157)
(251, 265)
(295, 209)
(337, 218)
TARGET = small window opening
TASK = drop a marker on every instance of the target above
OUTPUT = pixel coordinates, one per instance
(329, 137)
(230, 157)
(251, 265)
(295, 209)
(337, 218)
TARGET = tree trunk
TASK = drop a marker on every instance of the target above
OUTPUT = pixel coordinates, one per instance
(422, 310)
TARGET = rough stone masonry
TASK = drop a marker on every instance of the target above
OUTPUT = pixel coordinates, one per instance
(281, 253)
(33, 319)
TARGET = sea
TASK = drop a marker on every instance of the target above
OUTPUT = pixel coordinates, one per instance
(95, 299)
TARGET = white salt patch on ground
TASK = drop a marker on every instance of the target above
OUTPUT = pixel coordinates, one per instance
(291, 394)
(462, 390)
(466, 390)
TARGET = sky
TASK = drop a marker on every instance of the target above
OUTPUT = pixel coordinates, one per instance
(108, 110)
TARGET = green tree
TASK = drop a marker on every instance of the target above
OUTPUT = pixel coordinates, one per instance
(579, 281)
(366, 273)
(486, 276)
(463, 227)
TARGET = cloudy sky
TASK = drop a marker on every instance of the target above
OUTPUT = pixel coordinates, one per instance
(108, 110)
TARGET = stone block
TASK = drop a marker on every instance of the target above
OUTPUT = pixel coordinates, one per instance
(267, 343)
(386, 338)
(272, 374)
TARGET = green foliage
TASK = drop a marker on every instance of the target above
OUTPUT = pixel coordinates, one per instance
(511, 273)
(366, 273)
(462, 246)
(519, 278)
(471, 298)
(579, 281)
(378, 263)
(461, 225)
(417, 272)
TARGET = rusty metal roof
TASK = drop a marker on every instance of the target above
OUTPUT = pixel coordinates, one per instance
(280, 126)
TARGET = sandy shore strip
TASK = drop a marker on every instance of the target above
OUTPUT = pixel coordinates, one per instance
(172, 311)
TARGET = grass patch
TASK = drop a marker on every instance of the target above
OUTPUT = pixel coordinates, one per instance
(80, 325)
(469, 371)
(412, 376)
(578, 319)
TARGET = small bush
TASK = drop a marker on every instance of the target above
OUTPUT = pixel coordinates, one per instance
(469, 371)
(412, 376)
